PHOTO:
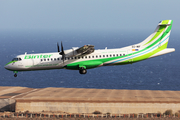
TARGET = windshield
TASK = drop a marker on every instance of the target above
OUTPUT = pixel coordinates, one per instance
(16, 59)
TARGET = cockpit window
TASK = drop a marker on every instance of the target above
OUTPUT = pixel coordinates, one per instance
(16, 59)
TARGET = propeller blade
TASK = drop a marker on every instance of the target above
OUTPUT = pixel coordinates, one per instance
(58, 47)
(63, 57)
(62, 52)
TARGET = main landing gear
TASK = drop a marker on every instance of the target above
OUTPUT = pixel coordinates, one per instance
(82, 70)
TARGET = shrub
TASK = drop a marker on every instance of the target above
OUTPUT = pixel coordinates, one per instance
(26, 112)
(149, 114)
(108, 113)
(97, 112)
(168, 112)
(176, 114)
(135, 115)
(158, 114)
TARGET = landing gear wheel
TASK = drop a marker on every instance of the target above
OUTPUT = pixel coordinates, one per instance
(15, 75)
(82, 71)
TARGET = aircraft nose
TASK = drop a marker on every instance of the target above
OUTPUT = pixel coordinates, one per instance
(6, 66)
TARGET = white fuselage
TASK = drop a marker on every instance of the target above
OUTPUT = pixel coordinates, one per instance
(54, 60)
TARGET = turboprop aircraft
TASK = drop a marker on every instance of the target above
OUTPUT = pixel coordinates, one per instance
(87, 57)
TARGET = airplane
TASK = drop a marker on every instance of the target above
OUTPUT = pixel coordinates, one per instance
(86, 57)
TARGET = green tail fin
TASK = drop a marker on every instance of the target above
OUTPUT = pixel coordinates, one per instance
(163, 28)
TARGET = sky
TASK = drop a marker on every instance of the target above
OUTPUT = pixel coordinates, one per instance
(87, 14)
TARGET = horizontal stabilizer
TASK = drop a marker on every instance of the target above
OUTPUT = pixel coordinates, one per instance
(162, 52)
(165, 22)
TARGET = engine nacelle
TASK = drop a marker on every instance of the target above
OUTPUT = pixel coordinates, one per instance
(75, 51)
(71, 52)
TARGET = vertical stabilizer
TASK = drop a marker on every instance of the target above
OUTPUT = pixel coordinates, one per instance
(156, 43)
(161, 33)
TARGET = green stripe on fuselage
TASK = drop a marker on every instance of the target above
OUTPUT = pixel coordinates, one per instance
(143, 57)
(95, 63)
(11, 62)
(91, 63)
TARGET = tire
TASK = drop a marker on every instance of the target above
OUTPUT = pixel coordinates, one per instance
(15, 75)
(82, 71)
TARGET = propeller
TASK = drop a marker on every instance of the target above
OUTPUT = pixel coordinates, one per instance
(62, 51)
(58, 47)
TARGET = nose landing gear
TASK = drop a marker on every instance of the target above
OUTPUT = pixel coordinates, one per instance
(15, 73)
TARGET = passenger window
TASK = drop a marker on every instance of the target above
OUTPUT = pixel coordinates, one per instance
(117, 55)
(57, 58)
(78, 57)
(82, 57)
(44, 59)
(41, 59)
(48, 59)
(86, 57)
(110, 55)
(114, 55)
(71, 57)
(51, 59)
(106, 55)
(89, 56)
(92, 56)
(103, 55)
(99, 55)
(54, 59)
(123, 54)
(74, 57)
(96, 56)
(120, 54)
(68, 58)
